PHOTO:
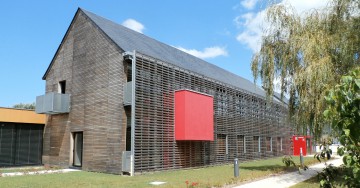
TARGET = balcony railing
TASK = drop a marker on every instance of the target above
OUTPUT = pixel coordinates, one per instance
(53, 103)
(126, 161)
(127, 93)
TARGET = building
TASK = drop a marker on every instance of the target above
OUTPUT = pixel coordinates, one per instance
(114, 95)
(21, 133)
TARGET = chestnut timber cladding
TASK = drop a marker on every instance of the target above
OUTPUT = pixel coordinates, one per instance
(90, 61)
(92, 67)
(239, 116)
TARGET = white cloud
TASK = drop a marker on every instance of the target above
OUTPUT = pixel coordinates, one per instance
(249, 4)
(253, 24)
(305, 5)
(134, 25)
(277, 86)
(210, 52)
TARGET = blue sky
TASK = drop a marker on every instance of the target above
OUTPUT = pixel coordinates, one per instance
(225, 33)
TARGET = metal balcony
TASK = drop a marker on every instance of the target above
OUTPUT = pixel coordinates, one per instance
(126, 161)
(53, 103)
(127, 93)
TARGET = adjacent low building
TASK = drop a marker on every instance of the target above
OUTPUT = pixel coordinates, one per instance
(21, 137)
(119, 101)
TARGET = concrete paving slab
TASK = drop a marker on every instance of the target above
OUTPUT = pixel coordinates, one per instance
(290, 179)
(38, 172)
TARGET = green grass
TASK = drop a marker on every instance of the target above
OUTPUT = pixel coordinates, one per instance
(314, 181)
(310, 183)
(216, 176)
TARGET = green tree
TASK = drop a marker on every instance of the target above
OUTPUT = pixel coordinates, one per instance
(25, 106)
(343, 112)
(308, 53)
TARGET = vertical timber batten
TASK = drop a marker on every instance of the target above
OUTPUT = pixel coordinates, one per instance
(239, 113)
(236, 112)
(133, 72)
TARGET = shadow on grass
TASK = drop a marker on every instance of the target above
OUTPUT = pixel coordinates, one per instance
(269, 168)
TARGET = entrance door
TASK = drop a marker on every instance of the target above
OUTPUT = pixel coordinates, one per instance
(78, 148)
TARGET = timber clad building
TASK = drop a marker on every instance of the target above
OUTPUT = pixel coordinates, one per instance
(118, 101)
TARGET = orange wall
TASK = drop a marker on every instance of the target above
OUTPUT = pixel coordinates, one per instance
(21, 116)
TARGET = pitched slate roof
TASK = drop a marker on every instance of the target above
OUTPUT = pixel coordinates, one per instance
(129, 40)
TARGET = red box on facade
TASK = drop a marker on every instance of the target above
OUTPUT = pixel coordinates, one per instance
(194, 116)
(299, 142)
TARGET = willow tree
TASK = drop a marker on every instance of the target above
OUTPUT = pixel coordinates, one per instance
(308, 53)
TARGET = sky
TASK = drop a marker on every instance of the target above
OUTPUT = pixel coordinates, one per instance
(224, 33)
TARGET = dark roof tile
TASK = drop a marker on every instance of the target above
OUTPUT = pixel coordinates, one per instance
(130, 40)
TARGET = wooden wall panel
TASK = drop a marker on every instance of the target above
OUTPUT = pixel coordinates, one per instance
(93, 69)
(237, 113)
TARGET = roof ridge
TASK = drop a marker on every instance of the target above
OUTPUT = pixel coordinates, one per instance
(129, 40)
(108, 27)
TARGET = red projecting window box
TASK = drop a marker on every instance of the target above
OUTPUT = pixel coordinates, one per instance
(194, 116)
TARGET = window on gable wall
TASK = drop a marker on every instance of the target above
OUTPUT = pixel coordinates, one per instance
(62, 87)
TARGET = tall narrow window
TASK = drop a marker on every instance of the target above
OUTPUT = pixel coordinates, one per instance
(128, 128)
(257, 144)
(226, 145)
(279, 144)
(62, 86)
(244, 144)
(129, 71)
(241, 144)
(222, 145)
(77, 148)
(268, 143)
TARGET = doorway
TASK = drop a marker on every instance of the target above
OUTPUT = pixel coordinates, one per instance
(77, 149)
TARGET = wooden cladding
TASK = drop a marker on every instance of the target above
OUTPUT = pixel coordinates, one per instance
(239, 116)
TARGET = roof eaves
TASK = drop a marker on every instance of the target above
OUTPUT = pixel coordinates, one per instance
(67, 32)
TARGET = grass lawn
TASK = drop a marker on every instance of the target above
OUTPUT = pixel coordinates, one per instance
(216, 176)
(310, 183)
(314, 182)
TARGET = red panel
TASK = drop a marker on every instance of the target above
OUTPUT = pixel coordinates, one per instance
(299, 142)
(194, 116)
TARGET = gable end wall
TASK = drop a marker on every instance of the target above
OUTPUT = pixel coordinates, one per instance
(93, 69)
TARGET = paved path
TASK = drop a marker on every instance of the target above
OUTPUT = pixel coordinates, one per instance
(37, 172)
(290, 179)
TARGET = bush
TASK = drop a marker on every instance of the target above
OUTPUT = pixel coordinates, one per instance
(343, 113)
